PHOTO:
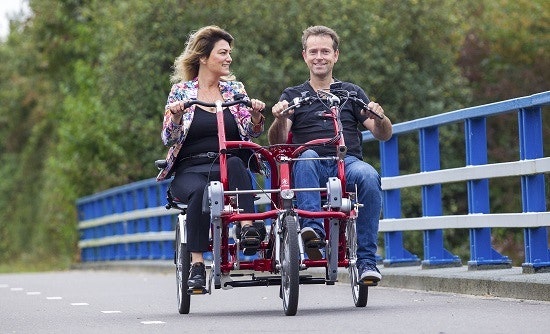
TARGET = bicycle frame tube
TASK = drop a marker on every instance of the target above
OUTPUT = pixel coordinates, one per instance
(221, 143)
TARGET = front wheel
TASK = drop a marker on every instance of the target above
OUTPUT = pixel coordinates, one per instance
(290, 265)
(183, 265)
(359, 292)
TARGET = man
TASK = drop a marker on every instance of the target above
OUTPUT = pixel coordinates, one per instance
(320, 53)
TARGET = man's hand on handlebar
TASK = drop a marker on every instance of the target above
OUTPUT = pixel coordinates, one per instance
(280, 110)
(374, 111)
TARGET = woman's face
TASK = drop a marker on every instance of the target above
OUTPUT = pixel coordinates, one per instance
(219, 59)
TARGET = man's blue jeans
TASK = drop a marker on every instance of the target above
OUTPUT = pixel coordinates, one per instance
(315, 174)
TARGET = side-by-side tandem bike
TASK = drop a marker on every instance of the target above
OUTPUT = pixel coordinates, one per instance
(280, 259)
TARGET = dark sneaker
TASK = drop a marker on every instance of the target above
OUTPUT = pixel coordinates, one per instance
(313, 243)
(197, 276)
(368, 273)
(250, 240)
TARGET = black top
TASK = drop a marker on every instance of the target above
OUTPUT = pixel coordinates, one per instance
(307, 124)
(203, 132)
(203, 137)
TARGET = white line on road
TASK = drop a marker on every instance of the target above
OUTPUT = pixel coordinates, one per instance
(109, 312)
(152, 322)
(33, 293)
(80, 304)
(16, 289)
(54, 298)
(3, 285)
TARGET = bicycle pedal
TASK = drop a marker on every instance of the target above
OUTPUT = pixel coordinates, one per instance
(368, 282)
(197, 291)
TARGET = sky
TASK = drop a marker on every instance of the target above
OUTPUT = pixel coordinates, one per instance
(9, 7)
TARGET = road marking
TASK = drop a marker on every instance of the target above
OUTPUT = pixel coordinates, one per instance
(33, 293)
(152, 322)
(80, 304)
(54, 298)
(16, 289)
(109, 312)
(3, 285)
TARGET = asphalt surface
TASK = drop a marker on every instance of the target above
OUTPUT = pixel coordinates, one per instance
(130, 299)
(506, 283)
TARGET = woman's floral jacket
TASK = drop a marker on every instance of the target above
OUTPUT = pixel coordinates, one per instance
(173, 135)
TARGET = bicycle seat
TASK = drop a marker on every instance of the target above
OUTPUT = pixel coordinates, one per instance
(161, 164)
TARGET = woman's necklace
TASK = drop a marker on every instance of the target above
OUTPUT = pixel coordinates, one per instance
(211, 96)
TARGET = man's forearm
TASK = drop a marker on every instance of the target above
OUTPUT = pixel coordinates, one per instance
(383, 129)
(278, 132)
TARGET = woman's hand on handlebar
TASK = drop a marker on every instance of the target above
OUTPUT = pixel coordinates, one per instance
(257, 105)
(279, 110)
(177, 108)
(256, 109)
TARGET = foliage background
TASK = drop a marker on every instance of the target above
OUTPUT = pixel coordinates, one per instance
(84, 83)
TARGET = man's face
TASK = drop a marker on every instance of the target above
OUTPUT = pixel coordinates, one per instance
(319, 55)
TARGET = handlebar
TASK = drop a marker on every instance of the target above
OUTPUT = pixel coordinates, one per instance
(297, 102)
(332, 98)
(239, 99)
(364, 105)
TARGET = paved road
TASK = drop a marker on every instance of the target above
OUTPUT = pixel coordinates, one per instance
(90, 301)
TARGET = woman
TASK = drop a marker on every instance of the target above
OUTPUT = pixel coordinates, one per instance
(202, 72)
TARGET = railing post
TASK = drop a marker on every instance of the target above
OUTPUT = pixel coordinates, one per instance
(168, 223)
(85, 211)
(131, 228)
(435, 255)
(482, 255)
(395, 254)
(537, 254)
(153, 223)
(121, 251)
(138, 202)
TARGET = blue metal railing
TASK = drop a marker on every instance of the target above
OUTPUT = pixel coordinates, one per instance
(130, 222)
(530, 168)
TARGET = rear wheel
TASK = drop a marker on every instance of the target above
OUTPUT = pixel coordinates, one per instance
(359, 292)
(290, 265)
(183, 265)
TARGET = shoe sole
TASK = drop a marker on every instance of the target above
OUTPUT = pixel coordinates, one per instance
(369, 280)
(250, 245)
(312, 247)
(197, 291)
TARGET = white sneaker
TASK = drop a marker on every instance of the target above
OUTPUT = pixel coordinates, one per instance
(368, 273)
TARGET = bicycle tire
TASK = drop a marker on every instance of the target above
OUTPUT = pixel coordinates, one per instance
(359, 292)
(290, 266)
(183, 265)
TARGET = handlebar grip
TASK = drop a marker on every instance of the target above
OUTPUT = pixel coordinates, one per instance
(296, 103)
(366, 107)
